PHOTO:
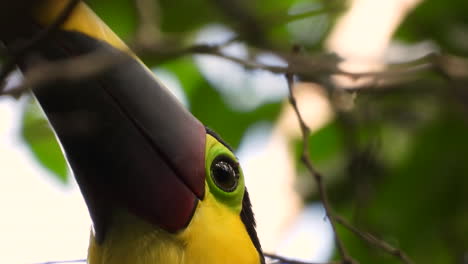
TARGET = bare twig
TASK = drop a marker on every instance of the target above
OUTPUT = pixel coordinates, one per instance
(84, 66)
(305, 158)
(19, 52)
(317, 65)
(308, 66)
(374, 240)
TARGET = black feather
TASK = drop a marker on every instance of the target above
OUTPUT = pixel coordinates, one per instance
(248, 219)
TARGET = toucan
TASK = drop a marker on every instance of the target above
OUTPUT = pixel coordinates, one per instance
(160, 187)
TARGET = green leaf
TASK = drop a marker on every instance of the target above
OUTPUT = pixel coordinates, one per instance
(37, 133)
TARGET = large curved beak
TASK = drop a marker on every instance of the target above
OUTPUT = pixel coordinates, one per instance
(129, 142)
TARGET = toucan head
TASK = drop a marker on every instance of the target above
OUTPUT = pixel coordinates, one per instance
(159, 186)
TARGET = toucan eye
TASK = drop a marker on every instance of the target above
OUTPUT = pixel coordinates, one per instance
(225, 173)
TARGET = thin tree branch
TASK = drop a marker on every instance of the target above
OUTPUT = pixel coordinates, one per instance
(305, 158)
(374, 240)
(318, 65)
(307, 66)
(84, 66)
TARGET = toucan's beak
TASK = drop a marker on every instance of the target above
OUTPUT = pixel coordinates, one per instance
(130, 143)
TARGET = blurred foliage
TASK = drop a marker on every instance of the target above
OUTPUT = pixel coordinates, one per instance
(37, 134)
(187, 15)
(405, 175)
(444, 22)
(396, 165)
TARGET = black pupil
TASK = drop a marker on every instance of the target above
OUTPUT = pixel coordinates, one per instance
(225, 174)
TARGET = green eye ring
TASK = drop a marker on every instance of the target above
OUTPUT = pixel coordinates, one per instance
(219, 159)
